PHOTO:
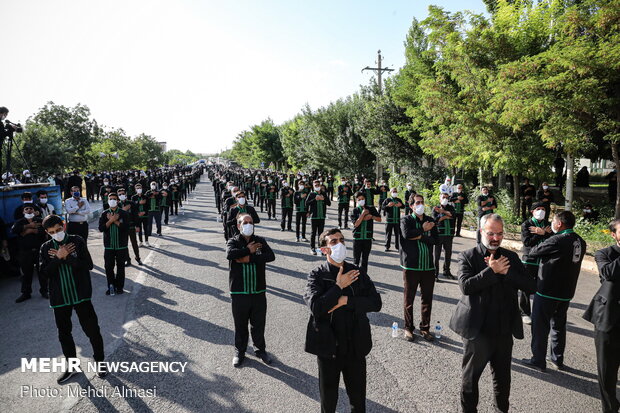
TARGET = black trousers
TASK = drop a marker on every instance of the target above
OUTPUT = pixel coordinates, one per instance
(28, 262)
(330, 193)
(445, 243)
(287, 214)
(361, 252)
(301, 218)
(317, 229)
(548, 315)
(134, 243)
(261, 201)
(395, 229)
(165, 210)
(608, 360)
(343, 208)
(477, 353)
(90, 325)
(271, 208)
(153, 216)
(524, 298)
(459, 224)
(250, 308)
(143, 224)
(118, 258)
(78, 228)
(174, 208)
(353, 371)
(426, 281)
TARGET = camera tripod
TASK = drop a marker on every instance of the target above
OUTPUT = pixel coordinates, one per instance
(10, 142)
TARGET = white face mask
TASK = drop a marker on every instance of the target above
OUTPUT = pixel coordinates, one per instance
(105, 182)
(317, 188)
(113, 203)
(539, 214)
(338, 252)
(419, 209)
(485, 193)
(59, 236)
(444, 201)
(241, 201)
(43, 200)
(122, 197)
(153, 187)
(545, 187)
(394, 194)
(165, 186)
(285, 184)
(587, 211)
(139, 190)
(361, 202)
(28, 216)
(247, 229)
(409, 187)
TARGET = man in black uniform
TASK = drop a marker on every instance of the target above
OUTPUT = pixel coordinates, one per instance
(241, 207)
(339, 296)
(460, 201)
(560, 264)
(247, 254)
(301, 211)
(154, 209)
(31, 235)
(344, 200)
(604, 313)
(528, 192)
(383, 194)
(533, 231)
(132, 213)
(272, 192)
(545, 196)
(444, 216)
(287, 195)
(391, 208)
(487, 204)
(140, 200)
(370, 192)
(410, 191)
(363, 218)
(66, 263)
(317, 202)
(419, 234)
(487, 315)
(114, 223)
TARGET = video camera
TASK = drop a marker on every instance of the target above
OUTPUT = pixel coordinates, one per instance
(13, 127)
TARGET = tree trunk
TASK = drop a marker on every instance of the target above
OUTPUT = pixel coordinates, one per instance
(501, 181)
(616, 158)
(570, 166)
(516, 195)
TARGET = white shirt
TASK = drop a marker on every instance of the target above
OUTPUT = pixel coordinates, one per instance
(77, 213)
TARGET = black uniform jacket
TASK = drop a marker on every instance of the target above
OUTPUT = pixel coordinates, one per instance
(604, 309)
(348, 326)
(478, 283)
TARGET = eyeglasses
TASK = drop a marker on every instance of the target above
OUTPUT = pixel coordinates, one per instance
(494, 234)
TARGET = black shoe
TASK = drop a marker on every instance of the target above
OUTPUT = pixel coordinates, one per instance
(281, 229)
(387, 250)
(346, 227)
(264, 356)
(556, 365)
(427, 336)
(139, 261)
(45, 295)
(128, 263)
(437, 280)
(119, 291)
(65, 376)
(103, 371)
(237, 360)
(530, 363)
(449, 275)
(22, 298)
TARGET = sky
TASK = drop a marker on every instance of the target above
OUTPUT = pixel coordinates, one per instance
(197, 73)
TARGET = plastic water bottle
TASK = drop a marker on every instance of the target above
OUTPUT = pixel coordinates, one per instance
(112, 291)
(438, 329)
(394, 329)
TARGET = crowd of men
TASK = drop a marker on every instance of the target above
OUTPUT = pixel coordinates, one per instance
(497, 284)
(54, 244)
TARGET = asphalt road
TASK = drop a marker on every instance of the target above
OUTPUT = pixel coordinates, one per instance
(177, 308)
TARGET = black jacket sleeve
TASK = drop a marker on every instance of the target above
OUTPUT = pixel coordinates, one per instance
(608, 269)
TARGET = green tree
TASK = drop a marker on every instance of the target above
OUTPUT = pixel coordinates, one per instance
(43, 150)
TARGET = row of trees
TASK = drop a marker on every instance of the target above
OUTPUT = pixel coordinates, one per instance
(58, 138)
(503, 93)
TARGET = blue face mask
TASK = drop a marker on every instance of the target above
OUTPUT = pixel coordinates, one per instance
(76, 194)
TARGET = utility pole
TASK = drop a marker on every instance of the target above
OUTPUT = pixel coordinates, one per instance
(379, 70)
